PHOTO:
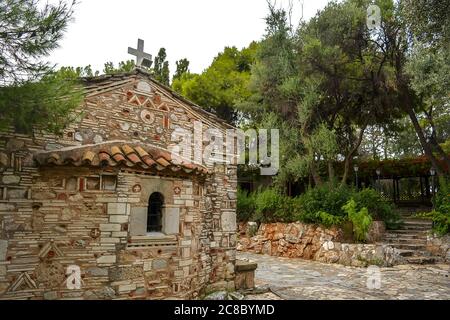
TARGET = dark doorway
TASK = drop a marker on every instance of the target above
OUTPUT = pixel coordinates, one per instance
(154, 213)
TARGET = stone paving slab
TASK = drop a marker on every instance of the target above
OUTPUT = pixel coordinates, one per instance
(298, 279)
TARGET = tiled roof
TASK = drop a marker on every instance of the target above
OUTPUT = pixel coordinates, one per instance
(119, 153)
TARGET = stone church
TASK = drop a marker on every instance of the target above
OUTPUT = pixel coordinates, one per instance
(104, 211)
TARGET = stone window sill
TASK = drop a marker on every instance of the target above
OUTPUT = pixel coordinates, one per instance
(155, 239)
(154, 236)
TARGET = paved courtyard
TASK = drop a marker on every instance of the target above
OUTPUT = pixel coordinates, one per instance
(303, 279)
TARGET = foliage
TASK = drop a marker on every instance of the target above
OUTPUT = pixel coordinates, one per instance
(124, 66)
(29, 31)
(327, 205)
(377, 207)
(182, 68)
(32, 93)
(245, 205)
(161, 68)
(361, 219)
(327, 219)
(222, 85)
(45, 104)
(428, 20)
(325, 198)
(441, 213)
(272, 206)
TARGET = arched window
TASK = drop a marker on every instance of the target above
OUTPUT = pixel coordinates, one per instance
(154, 213)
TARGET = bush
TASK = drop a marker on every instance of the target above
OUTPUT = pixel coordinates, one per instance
(441, 213)
(361, 220)
(272, 206)
(245, 205)
(325, 198)
(327, 219)
(323, 205)
(378, 208)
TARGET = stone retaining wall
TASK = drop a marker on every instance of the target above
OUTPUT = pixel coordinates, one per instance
(439, 246)
(307, 241)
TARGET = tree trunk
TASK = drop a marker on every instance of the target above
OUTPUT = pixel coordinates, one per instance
(406, 102)
(423, 141)
(441, 153)
(330, 171)
(315, 175)
(348, 158)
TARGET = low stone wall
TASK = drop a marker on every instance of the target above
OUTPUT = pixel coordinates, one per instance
(439, 246)
(307, 241)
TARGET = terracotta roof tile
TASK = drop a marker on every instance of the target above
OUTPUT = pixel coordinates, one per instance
(88, 156)
(141, 152)
(163, 162)
(117, 153)
(103, 156)
(118, 157)
(148, 160)
(133, 157)
(127, 149)
(115, 150)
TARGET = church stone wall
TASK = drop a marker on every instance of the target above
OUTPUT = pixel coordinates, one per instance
(55, 218)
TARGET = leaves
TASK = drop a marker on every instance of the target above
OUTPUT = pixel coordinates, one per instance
(222, 85)
(33, 95)
(361, 220)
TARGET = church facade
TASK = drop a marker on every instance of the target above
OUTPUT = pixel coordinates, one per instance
(105, 211)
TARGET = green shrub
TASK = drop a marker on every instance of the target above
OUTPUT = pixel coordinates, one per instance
(322, 205)
(326, 198)
(441, 213)
(441, 220)
(378, 208)
(361, 219)
(272, 206)
(327, 219)
(245, 205)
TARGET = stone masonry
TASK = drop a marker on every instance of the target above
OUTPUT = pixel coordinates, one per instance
(82, 198)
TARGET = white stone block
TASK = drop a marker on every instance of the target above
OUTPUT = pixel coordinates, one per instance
(186, 252)
(229, 221)
(117, 208)
(110, 227)
(138, 221)
(106, 259)
(171, 221)
(126, 288)
(184, 263)
(3, 249)
(119, 234)
(147, 265)
(118, 219)
(110, 240)
(189, 203)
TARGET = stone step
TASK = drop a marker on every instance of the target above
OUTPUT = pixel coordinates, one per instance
(406, 253)
(404, 231)
(408, 246)
(421, 260)
(406, 235)
(416, 227)
(407, 240)
(415, 222)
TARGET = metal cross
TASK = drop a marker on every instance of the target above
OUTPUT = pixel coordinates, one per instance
(142, 59)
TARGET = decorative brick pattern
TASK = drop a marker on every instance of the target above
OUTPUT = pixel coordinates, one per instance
(73, 200)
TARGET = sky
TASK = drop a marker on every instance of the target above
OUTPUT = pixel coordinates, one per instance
(198, 30)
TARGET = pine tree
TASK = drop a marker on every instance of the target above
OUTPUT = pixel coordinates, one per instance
(32, 94)
(161, 70)
(182, 68)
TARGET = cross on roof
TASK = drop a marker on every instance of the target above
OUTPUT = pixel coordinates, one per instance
(142, 59)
